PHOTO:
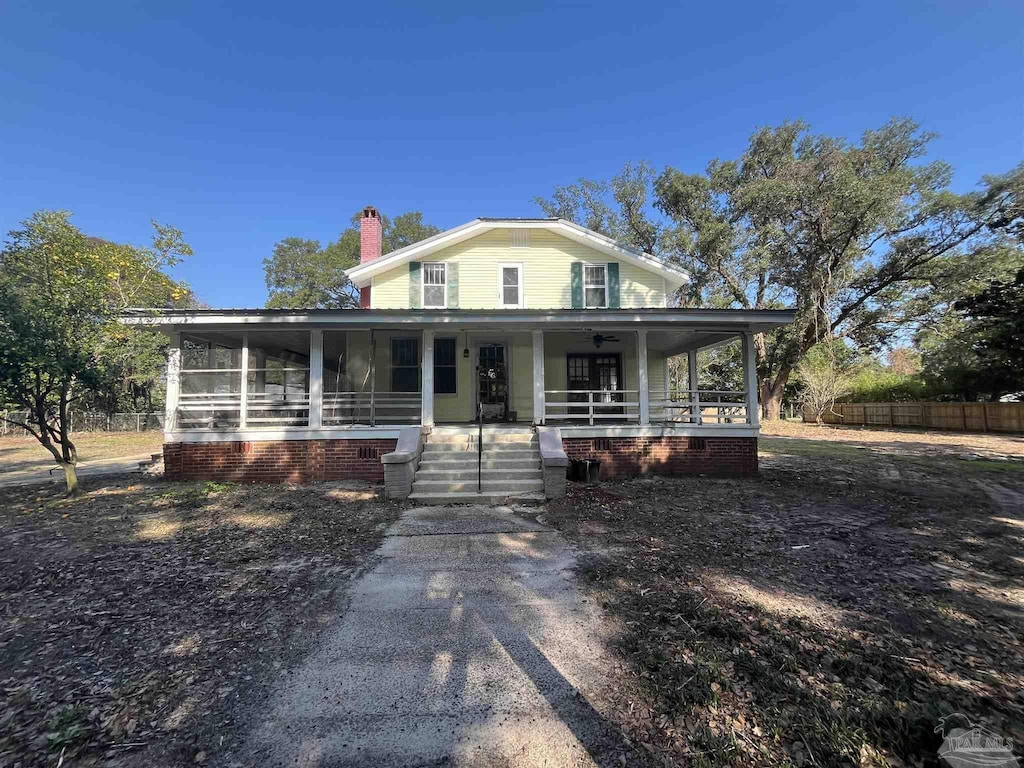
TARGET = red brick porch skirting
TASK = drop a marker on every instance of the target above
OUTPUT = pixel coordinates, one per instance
(629, 456)
(295, 461)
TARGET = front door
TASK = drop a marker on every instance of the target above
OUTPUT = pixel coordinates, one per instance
(601, 375)
(492, 378)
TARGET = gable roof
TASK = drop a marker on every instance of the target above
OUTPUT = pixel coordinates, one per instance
(361, 274)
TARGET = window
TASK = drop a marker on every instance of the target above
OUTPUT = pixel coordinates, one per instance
(405, 365)
(519, 238)
(444, 367)
(435, 286)
(595, 285)
(510, 285)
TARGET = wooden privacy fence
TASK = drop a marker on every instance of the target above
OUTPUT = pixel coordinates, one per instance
(966, 417)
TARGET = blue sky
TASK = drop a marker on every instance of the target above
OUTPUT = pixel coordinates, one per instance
(244, 124)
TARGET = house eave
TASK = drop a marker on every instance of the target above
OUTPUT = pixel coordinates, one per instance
(547, 319)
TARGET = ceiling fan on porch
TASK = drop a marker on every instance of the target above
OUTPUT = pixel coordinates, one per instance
(600, 339)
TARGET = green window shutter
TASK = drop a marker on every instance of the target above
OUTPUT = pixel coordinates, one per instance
(613, 285)
(576, 282)
(415, 285)
(453, 284)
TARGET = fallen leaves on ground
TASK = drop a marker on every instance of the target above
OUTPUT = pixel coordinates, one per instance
(141, 621)
(823, 613)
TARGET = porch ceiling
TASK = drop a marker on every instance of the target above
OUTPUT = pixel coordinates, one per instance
(674, 342)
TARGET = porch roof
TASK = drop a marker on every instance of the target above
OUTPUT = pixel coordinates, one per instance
(755, 320)
(674, 330)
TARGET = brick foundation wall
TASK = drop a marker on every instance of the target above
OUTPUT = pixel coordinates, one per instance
(629, 456)
(295, 461)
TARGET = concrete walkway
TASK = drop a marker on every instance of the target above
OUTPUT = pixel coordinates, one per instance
(86, 469)
(467, 645)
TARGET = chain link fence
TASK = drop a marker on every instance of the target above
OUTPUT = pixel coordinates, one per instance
(90, 421)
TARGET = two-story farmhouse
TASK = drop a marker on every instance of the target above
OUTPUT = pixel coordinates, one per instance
(549, 340)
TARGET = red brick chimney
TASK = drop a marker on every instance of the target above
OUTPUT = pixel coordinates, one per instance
(371, 237)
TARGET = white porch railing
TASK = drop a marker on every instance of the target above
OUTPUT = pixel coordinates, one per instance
(699, 407)
(344, 408)
(218, 402)
(592, 405)
(277, 409)
(208, 410)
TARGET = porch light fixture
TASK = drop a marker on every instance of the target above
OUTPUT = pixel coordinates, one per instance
(465, 349)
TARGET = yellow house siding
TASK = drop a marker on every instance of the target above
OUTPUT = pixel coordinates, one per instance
(391, 289)
(546, 264)
(519, 351)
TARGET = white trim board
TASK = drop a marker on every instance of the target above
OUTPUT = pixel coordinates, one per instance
(520, 267)
(721, 320)
(657, 430)
(277, 435)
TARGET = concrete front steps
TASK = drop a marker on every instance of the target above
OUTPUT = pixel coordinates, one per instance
(511, 468)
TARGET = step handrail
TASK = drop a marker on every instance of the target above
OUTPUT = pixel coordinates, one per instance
(480, 448)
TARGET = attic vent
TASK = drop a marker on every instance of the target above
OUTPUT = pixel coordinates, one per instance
(519, 238)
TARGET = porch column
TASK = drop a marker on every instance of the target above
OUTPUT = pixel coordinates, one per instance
(641, 376)
(260, 358)
(750, 379)
(316, 379)
(427, 419)
(538, 377)
(691, 384)
(173, 383)
(243, 392)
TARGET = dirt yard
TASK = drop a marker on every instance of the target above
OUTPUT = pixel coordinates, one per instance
(141, 621)
(916, 442)
(827, 612)
(19, 453)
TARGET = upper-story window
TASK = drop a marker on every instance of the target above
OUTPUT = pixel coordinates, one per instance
(595, 285)
(435, 285)
(510, 286)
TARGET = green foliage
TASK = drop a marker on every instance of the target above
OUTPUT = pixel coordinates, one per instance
(618, 208)
(130, 365)
(861, 239)
(302, 274)
(977, 351)
(60, 292)
(876, 384)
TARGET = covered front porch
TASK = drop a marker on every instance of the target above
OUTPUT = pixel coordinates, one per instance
(272, 376)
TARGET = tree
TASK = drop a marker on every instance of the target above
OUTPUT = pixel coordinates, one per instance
(301, 273)
(903, 361)
(860, 239)
(979, 349)
(131, 361)
(824, 378)
(130, 367)
(60, 292)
